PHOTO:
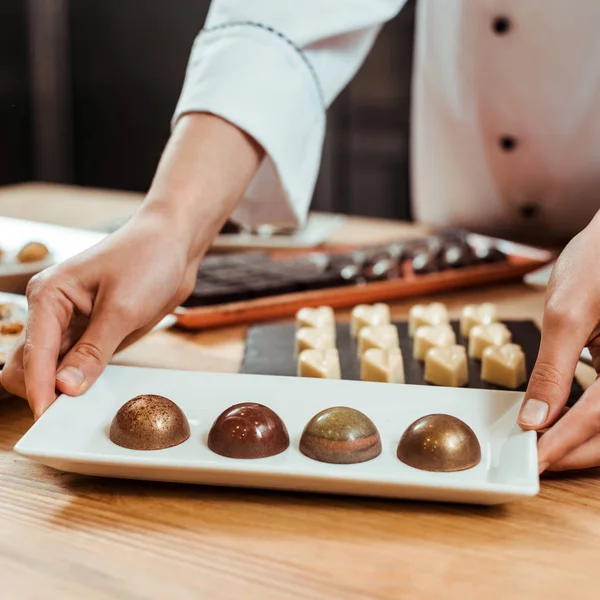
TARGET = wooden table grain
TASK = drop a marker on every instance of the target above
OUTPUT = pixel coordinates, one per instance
(71, 537)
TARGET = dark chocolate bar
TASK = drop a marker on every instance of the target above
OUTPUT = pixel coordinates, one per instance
(232, 277)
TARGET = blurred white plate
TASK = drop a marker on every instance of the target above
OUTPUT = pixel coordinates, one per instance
(73, 436)
(318, 229)
(540, 277)
(62, 242)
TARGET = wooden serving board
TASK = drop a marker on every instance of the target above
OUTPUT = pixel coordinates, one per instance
(285, 306)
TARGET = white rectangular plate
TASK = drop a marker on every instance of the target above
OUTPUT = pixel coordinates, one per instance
(73, 436)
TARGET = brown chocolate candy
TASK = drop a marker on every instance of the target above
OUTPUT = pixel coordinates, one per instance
(32, 252)
(248, 430)
(456, 256)
(149, 422)
(439, 443)
(489, 254)
(425, 262)
(340, 435)
(11, 327)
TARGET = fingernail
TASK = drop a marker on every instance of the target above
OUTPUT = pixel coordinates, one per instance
(542, 467)
(70, 376)
(534, 413)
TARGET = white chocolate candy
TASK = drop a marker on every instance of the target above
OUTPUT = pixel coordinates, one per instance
(483, 336)
(383, 337)
(504, 366)
(385, 366)
(432, 337)
(321, 364)
(369, 315)
(447, 366)
(429, 315)
(309, 338)
(477, 314)
(322, 317)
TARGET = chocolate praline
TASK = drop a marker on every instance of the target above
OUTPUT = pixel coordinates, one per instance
(440, 443)
(248, 430)
(32, 252)
(489, 254)
(149, 422)
(456, 256)
(424, 263)
(340, 435)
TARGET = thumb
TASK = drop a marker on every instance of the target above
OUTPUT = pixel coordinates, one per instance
(86, 360)
(552, 376)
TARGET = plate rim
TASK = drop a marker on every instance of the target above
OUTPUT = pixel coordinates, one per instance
(144, 461)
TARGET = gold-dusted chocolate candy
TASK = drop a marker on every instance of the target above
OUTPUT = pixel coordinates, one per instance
(149, 422)
(32, 252)
(440, 443)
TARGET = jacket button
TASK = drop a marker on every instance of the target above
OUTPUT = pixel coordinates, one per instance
(508, 143)
(529, 211)
(501, 25)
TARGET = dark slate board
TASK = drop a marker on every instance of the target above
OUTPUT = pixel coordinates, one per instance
(270, 351)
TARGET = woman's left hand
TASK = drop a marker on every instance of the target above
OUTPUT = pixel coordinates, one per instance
(571, 322)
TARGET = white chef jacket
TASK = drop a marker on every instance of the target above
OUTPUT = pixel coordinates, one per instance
(505, 111)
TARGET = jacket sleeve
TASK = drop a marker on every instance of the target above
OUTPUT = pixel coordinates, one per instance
(272, 68)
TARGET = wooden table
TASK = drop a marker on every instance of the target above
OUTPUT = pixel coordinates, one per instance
(67, 536)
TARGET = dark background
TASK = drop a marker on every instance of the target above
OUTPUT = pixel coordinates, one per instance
(124, 67)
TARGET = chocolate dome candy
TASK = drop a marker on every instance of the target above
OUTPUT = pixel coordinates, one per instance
(32, 252)
(439, 443)
(248, 430)
(149, 422)
(489, 254)
(456, 256)
(340, 435)
(425, 262)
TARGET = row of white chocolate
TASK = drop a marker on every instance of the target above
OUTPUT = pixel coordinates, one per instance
(378, 344)
(385, 366)
(435, 314)
(374, 315)
(434, 341)
(480, 338)
(500, 365)
(503, 363)
(315, 347)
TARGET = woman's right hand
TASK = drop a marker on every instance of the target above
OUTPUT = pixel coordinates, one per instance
(83, 310)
